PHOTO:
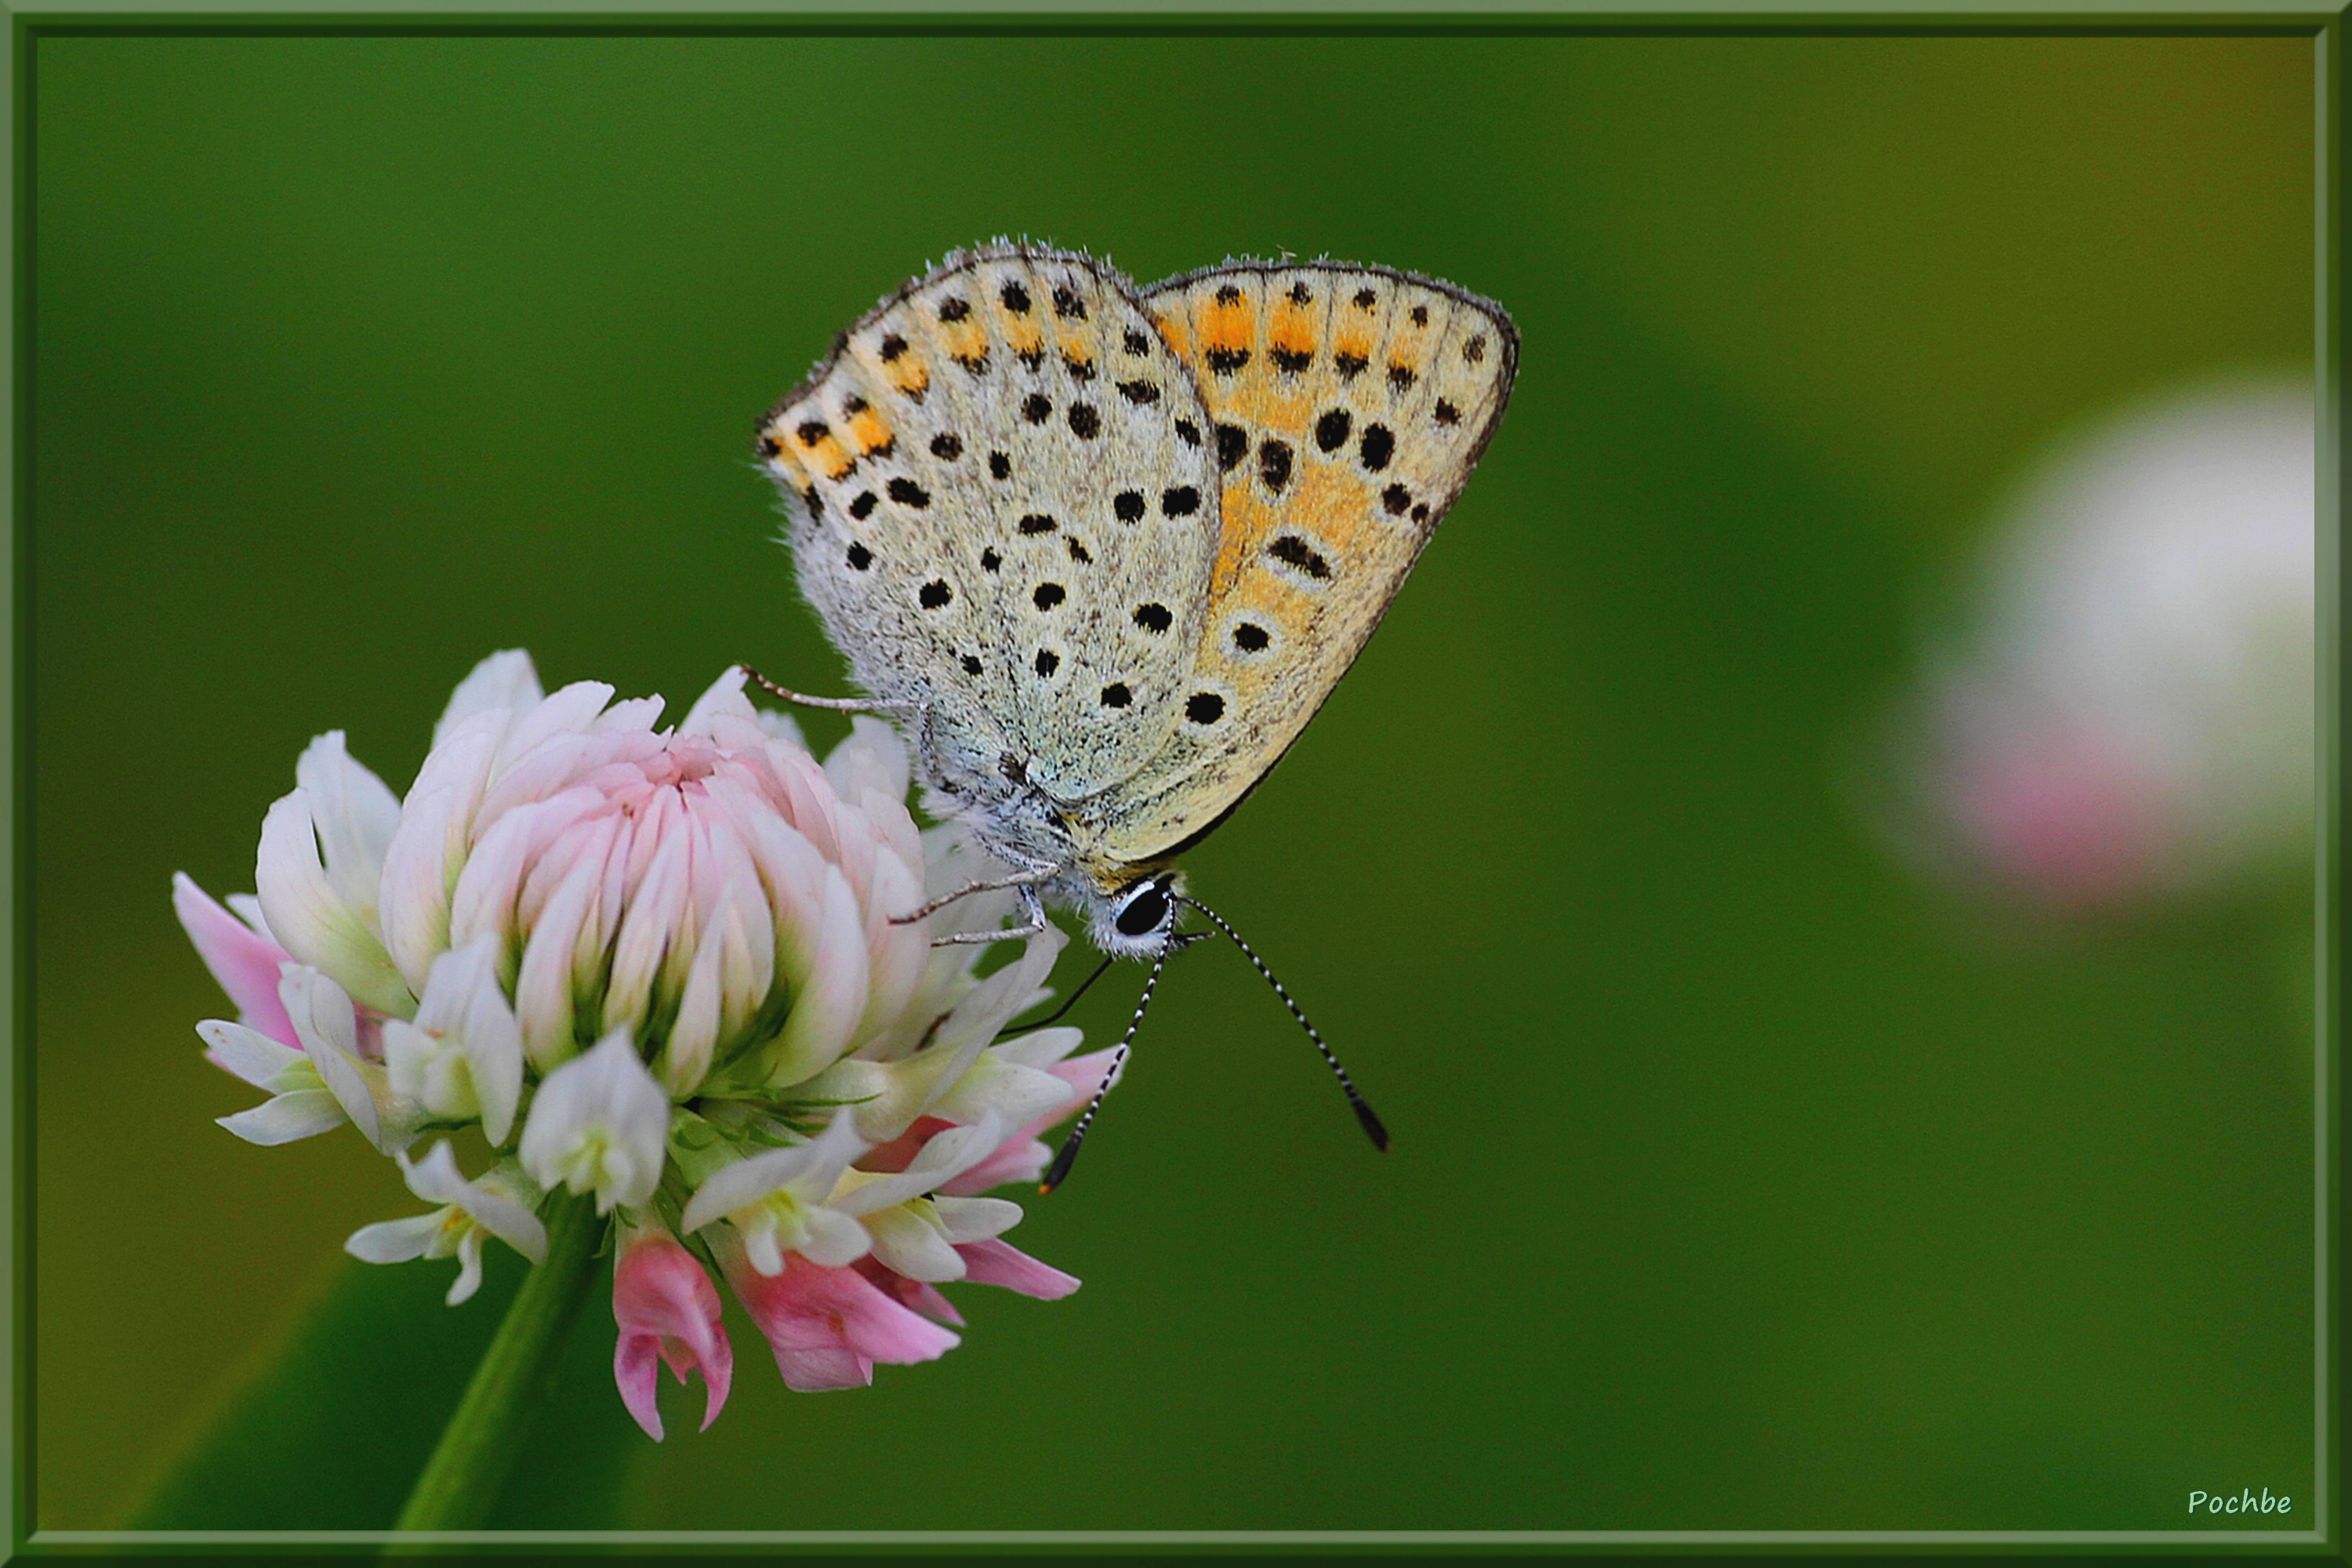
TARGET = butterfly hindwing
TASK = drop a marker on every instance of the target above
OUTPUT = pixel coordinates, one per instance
(1349, 407)
(1004, 508)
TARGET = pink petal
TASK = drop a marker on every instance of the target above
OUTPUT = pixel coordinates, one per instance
(665, 1304)
(900, 1152)
(243, 960)
(807, 1308)
(815, 1372)
(996, 1262)
(911, 1293)
(1014, 1162)
(632, 1370)
(1021, 1158)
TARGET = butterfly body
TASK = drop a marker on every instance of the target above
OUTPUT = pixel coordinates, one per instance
(1106, 550)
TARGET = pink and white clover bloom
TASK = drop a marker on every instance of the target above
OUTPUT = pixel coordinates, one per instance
(658, 967)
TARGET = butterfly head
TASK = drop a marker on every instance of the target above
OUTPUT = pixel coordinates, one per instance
(1136, 920)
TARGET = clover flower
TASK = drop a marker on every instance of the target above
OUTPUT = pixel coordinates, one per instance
(657, 969)
(2128, 713)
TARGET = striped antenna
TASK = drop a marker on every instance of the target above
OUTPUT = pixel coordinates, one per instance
(1371, 1123)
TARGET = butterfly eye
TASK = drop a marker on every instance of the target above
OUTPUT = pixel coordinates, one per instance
(1145, 910)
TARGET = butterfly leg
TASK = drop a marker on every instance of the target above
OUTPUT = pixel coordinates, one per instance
(1030, 927)
(1028, 879)
(838, 704)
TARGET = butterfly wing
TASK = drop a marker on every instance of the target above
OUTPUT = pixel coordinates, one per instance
(1003, 506)
(1348, 406)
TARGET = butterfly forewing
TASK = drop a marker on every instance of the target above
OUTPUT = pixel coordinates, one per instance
(1348, 407)
(1004, 509)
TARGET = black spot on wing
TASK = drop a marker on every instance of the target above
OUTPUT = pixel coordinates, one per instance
(1232, 445)
(1295, 552)
(1274, 464)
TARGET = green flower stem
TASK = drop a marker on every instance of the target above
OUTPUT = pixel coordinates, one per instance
(462, 1478)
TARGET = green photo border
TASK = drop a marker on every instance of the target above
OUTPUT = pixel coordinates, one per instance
(2321, 21)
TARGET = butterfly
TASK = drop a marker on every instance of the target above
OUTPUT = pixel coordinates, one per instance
(1104, 551)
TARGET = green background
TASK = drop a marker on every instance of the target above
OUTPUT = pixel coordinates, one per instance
(1740, 1180)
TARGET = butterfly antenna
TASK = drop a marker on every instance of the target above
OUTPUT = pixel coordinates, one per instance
(1059, 1172)
(1100, 969)
(1371, 1123)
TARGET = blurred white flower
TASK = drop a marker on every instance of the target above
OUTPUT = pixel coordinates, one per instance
(2131, 713)
(657, 966)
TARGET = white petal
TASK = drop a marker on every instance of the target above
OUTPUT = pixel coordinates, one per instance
(463, 1000)
(657, 910)
(572, 709)
(247, 908)
(976, 1219)
(412, 1060)
(948, 1155)
(1039, 1048)
(992, 1004)
(834, 1239)
(395, 1240)
(872, 757)
(608, 1096)
(694, 1032)
(1018, 1095)
(830, 986)
(760, 1247)
(324, 1023)
(469, 1269)
(543, 984)
(354, 814)
(413, 911)
(435, 1179)
(505, 679)
(872, 1093)
(641, 713)
(724, 697)
(816, 1164)
(301, 1114)
(906, 1244)
(779, 725)
(896, 955)
(744, 1183)
(248, 1053)
(311, 918)
(919, 1081)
